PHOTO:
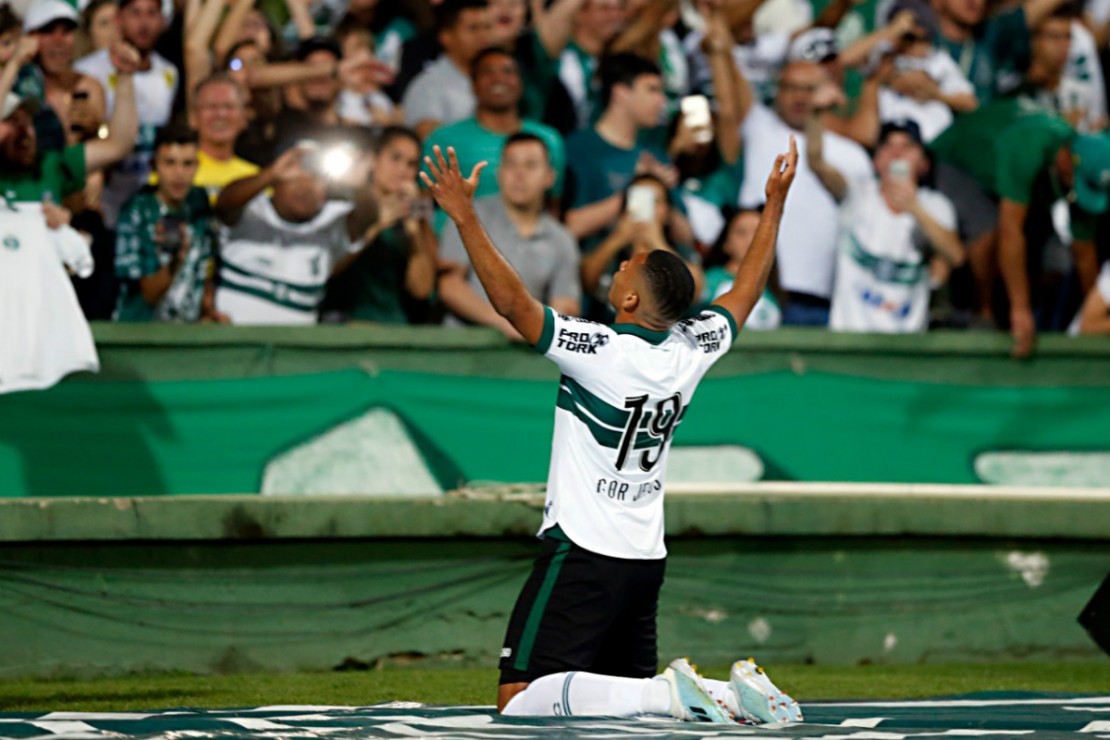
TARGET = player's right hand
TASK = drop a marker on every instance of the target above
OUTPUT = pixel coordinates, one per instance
(453, 192)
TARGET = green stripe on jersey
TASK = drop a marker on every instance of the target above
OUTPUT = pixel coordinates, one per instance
(539, 606)
(728, 315)
(603, 435)
(601, 410)
(268, 297)
(548, 332)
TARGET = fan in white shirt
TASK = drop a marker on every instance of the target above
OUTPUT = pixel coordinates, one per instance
(891, 228)
(141, 24)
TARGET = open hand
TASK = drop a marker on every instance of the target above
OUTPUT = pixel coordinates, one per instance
(782, 174)
(453, 192)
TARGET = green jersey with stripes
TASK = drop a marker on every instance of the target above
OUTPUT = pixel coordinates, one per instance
(624, 391)
(273, 271)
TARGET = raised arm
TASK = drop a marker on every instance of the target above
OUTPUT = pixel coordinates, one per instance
(505, 289)
(235, 197)
(554, 25)
(829, 176)
(751, 278)
(734, 94)
(123, 129)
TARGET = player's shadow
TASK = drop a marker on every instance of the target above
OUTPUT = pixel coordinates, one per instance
(84, 438)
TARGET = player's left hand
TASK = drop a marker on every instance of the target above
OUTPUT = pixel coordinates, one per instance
(782, 174)
(453, 192)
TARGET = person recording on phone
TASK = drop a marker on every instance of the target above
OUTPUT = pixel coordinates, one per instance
(164, 240)
(286, 232)
(891, 229)
(644, 226)
(391, 279)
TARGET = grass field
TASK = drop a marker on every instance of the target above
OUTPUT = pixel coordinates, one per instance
(476, 686)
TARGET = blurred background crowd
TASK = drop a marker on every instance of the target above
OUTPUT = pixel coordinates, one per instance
(255, 161)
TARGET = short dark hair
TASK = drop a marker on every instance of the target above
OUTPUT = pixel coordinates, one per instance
(490, 51)
(314, 44)
(622, 69)
(9, 19)
(389, 134)
(447, 15)
(174, 133)
(670, 282)
(523, 137)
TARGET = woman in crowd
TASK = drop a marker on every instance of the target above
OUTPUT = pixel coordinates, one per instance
(390, 279)
(646, 224)
(723, 261)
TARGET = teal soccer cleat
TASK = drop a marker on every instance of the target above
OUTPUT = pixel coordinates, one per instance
(690, 700)
(760, 701)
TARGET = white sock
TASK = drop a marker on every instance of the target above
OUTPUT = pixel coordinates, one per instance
(591, 695)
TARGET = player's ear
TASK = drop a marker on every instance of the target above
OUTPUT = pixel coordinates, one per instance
(631, 301)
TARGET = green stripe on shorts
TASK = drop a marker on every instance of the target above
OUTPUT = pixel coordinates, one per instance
(532, 625)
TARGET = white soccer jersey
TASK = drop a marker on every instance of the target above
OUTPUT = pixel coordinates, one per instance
(273, 271)
(45, 334)
(882, 270)
(622, 395)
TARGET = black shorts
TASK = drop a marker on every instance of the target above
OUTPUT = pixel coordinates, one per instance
(580, 611)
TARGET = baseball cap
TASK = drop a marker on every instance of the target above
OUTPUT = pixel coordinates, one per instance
(923, 15)
(42, 13)
(815, 45)
(1092, 171)
(906, 126)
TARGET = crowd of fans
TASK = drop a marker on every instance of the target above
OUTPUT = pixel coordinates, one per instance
(255, 161)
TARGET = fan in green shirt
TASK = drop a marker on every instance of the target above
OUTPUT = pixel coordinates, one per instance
(164, 241)
(1030, 158)
(990, 51)
(29, 173)
(498, 89)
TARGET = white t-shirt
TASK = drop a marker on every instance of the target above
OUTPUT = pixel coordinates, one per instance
(882, 272)
(45, 333)
(273, 271)
(623, 393)
(439, 93)
(155, 88)
(1082, 86)
(154, 94)
(931, 116)
(360, 109)
(808, 236)
(1102, 285)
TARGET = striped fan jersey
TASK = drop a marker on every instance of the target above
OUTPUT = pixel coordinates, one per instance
(273, 271)
(623, 393)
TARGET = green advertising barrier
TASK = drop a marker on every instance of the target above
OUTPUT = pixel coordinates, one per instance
(220, 436)
(224, 607)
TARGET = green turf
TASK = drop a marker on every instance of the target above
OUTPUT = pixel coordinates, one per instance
(476, 686)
